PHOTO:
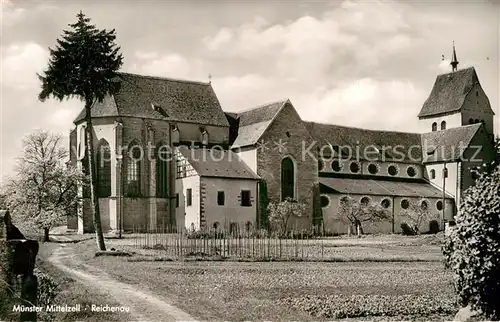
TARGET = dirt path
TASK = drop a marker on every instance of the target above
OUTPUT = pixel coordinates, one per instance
(144, 306)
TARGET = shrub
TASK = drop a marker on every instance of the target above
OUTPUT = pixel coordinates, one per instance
(46, 294)
(433, 227)
(407, 229)
(471, 247)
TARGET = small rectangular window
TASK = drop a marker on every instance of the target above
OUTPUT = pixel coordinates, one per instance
(176, 200)
(220, 198)
(189, 197)
(245, 198)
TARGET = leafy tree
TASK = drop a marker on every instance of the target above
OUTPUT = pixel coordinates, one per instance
(416, 215)
(44, 190)
(355, 213)
(84, 65)
(471, 247)
(281, 213)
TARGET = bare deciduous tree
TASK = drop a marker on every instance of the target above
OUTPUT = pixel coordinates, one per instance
(281, 213)
(44, 190)
(416, 215)
(355, 213)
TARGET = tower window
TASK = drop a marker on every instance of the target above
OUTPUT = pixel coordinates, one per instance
(477, 93)
(434, 127)
(433, 174)
(443, 125)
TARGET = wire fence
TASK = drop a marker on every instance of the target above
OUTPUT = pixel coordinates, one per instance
(231, 243)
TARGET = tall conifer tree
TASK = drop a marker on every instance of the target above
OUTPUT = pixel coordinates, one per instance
(84, 65)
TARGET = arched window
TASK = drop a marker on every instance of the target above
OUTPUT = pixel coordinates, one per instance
(133, 174)
(434, 127)
(433, 174)
(162, 158)
(443, 125)
(103, 162)
(86, 172)
(81, 146)
(287, 178)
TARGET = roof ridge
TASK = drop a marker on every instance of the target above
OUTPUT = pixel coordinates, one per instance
(360, 128)
(165, 78)
(260, 106)
(458, 71)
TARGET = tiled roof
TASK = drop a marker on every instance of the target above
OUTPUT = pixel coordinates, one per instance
(397, 144)
(217, 163)
(448, 145)
(105, 108)
(175, 100)
(254, 122)
(449, 92)
(380, 187)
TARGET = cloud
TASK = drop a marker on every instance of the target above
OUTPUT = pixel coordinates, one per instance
(365, 103)
(10, 14)
(169, 65)
(20, 63)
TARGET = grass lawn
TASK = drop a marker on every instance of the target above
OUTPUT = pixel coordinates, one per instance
(71, 292)
(297, 290)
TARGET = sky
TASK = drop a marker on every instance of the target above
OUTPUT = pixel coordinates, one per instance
(365, 63)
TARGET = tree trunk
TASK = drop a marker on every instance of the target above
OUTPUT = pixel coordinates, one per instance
(46, 235)
(93, 179)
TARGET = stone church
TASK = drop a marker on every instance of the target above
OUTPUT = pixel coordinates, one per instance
(170, 158)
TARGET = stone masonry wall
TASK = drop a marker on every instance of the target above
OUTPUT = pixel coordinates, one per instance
(289, 128)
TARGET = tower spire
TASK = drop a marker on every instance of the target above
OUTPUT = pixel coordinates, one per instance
(454, 61)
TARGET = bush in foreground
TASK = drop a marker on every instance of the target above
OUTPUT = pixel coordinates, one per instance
(472, 247)
(344, 306)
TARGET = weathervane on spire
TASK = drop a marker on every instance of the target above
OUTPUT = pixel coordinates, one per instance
(454, 61)
(209, 78)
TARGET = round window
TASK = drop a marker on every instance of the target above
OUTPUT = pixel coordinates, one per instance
(336, 165)
(405, 204)
(411, 171)
(424, 205)
(386, 203)
(321, 164)
(392, 170)
(343, 199)
(439, 205)
(325, 201)
(365, 201)
(354, 167)
(372, 168)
